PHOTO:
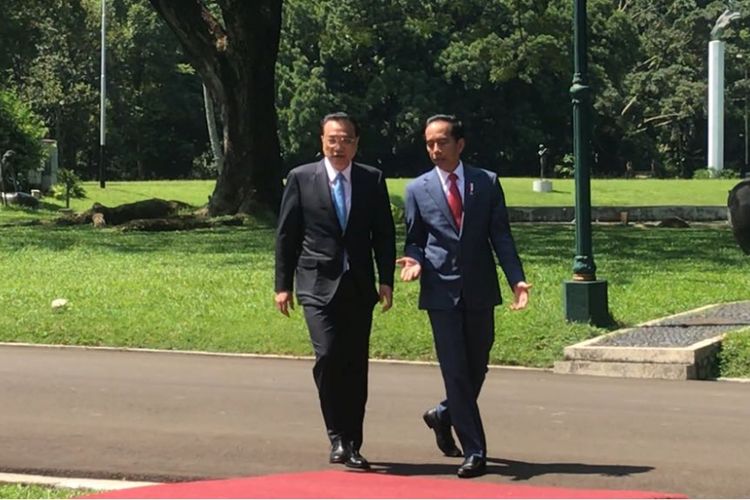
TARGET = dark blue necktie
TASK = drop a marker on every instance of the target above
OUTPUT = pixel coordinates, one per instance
(339, 199)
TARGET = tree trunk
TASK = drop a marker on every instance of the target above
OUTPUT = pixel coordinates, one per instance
(213, 133)
(236, 59)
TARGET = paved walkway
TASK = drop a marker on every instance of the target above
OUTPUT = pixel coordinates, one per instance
(161, 416)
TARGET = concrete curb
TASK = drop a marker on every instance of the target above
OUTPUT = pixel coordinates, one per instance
(244, 355)
(682, 363)
(615, 213)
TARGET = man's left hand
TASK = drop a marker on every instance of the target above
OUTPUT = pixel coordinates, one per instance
(386, 297)
(520, 295)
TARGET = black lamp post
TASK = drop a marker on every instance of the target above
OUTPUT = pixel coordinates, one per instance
(585, 297)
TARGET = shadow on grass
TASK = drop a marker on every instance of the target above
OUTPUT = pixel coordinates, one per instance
(201, 241)
(629, 249)
(515, 470)
(632, 246)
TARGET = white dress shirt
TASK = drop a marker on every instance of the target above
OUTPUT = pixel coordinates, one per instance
(347, 173)
(459, 182)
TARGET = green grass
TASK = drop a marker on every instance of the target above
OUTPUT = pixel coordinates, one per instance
(191, 192)
(734, 357)
(518, 192)
(607, 192)
(212, 289)
(33, 491)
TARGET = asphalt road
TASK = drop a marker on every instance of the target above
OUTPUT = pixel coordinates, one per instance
(161, 416)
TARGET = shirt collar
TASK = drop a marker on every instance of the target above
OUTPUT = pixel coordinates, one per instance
(444, 175)
(332, 172)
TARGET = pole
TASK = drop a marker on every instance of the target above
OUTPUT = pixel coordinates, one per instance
(745, 170)
(716, 50)
(584, 268)
(585, 297)
(103, 97)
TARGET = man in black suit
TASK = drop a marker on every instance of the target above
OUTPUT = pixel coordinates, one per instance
(456, 219)
(335, 217)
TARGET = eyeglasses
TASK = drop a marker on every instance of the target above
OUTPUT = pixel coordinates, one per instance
(345, 140)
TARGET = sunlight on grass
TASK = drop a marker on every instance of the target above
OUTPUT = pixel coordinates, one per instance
(34, 491)
(518, 192)
(213, 289)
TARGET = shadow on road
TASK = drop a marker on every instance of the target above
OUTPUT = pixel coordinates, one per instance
(517, 471)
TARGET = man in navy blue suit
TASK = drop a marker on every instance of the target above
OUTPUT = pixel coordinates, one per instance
(455, 218)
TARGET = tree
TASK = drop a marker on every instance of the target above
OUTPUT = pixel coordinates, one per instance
(233, 44)
(20, 131)
(155, 127)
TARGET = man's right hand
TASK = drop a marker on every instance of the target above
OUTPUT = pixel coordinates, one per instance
(284, 301)
(410, 268)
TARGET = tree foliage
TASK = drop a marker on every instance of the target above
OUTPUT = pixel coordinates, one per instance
(504, 66)
(21, 131)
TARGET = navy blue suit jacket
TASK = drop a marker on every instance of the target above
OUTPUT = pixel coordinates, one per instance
(460, 264)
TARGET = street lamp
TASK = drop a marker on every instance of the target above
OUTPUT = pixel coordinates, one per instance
(585, 297)
(103, 97)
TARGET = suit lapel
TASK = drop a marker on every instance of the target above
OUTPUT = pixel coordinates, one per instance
(435, 189)
(470, 182)
(357, 198)
(323, 188)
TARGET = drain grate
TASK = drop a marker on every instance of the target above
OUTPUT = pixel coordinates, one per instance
(686, 329)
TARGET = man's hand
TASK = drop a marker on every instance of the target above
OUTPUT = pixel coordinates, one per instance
(520, 295)
(284, 301)
(410, 268)
(386, 297)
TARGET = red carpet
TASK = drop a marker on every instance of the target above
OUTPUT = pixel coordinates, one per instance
(342, 484)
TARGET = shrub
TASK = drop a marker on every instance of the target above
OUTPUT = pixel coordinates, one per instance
(734, 358)
(705, 173)
(398, 214)
(702, 173)
(22, 131)
(566, 168)
(68, 187)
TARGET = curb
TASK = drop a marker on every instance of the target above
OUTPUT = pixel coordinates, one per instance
(592, 357)
(244, 355)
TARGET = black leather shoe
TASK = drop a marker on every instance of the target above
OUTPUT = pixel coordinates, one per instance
(443, 435)
(357, 461)
(339, 452)
(472, 467)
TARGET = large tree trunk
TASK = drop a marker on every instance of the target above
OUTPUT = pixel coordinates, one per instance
(236, 59)
(217, 146)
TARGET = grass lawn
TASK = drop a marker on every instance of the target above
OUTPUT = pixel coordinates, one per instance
(212, 289)
(33, 491)
(518, 192)
(607, 192)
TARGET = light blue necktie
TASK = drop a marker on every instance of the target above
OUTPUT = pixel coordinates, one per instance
(339, 199)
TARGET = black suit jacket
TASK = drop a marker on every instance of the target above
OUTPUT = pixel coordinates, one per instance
(311, 244)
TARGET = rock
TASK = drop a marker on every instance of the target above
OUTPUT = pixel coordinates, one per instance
(59, 304)
(98, 220)
(739, 214)
(675, 222)
(21, 199)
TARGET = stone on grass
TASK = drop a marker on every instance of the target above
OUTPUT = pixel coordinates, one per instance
(59, 304)
(674, 222)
